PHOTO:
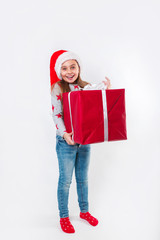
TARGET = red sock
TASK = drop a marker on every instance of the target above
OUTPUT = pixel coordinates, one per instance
(66, 225)
(87, 216)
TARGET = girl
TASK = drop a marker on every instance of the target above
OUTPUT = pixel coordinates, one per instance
(65, 67)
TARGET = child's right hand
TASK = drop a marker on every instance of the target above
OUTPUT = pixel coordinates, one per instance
(107, 83)
(67, 137)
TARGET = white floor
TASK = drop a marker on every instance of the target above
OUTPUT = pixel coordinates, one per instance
(47, 227)
(123, 211)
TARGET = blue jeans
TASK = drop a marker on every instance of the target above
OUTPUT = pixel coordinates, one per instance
(69, 157)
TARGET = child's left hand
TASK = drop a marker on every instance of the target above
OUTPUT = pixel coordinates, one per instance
(107, 83)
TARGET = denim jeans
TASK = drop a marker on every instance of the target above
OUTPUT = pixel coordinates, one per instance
(72, 157)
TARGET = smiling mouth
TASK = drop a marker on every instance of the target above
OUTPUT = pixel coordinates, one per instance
(71, 77)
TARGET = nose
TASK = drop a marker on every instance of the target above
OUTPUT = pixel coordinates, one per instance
(69, 70)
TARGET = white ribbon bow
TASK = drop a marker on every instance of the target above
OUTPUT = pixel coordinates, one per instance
(96, 86)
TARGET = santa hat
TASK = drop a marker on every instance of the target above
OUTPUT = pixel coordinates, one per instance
(56, 61)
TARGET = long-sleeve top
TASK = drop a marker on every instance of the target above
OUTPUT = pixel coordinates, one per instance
(57, 106)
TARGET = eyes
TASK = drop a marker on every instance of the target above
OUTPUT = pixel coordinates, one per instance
(64, 68)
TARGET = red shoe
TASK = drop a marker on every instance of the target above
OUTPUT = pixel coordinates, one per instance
(66, 225)
(87, 216)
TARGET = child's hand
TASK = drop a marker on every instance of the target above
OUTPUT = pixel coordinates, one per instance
(67, 137)
(107, 83)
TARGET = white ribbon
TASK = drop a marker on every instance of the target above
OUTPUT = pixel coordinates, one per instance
(105, 114)
(69, 102)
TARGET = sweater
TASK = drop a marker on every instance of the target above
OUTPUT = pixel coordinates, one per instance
(57, 106)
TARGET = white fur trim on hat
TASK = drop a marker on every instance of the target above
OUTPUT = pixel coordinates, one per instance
(62, 58)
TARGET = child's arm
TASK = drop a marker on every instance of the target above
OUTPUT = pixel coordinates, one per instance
(57, 110)
(57, 115)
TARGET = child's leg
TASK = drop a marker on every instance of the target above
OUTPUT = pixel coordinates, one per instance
(81, 173)
(66, 158)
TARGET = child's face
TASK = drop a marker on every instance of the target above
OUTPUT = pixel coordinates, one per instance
(70, 71)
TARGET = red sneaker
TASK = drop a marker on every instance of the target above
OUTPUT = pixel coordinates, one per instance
(87, 216)
(66, 225)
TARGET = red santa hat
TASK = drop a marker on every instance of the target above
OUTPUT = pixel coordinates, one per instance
(56, 61)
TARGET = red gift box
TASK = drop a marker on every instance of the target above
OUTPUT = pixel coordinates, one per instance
(95, 115)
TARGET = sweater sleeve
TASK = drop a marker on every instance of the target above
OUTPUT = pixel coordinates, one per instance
(57, 110)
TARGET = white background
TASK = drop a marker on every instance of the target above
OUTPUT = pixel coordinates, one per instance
(118, 39)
